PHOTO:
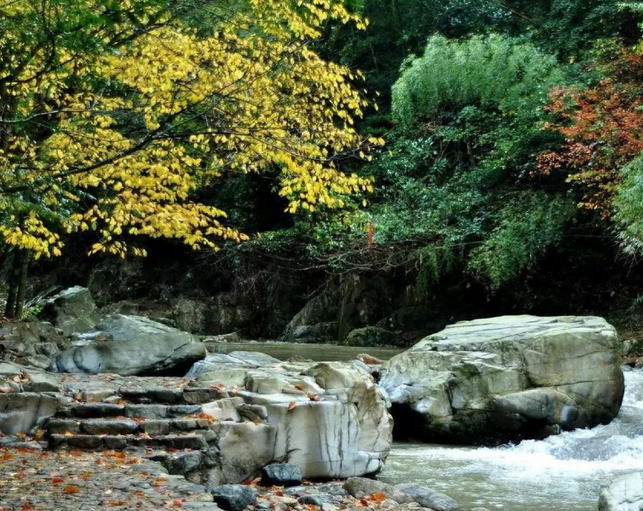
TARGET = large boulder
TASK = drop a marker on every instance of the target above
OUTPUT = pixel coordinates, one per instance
(138, 346)
(507, 378)
(72, 310)
(328, 419)
(625, 493)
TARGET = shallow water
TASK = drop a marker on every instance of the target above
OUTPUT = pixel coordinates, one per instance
(562, 473)
(316, 352)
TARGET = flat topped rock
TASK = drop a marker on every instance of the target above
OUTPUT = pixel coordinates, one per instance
(507, 378)
(478, 334)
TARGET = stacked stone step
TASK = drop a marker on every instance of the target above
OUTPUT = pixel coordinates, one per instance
(162, 424)
(102, 426)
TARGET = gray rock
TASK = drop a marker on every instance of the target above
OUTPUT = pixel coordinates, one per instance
(72, 310)
(29, 342)
(27, 379)
(234, 360)
(281, 474)
(428, 498)
(625, 493)
(24, 412)
(361, 486)
(344, 414)
(38, 361)
(316, 500)
(139, 346)
(109, 427)
(184, 463)
(507, 378)
(317, 321)
(234, 497)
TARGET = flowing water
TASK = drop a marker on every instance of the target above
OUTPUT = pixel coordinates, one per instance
(562, 473)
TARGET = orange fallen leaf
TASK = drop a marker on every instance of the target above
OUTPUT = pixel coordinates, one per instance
(57, 480)
(299, 386)
(71, 489)
(27, 507)
(377, 497)
(292, 406)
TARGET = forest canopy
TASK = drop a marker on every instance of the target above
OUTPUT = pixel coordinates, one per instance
(452, 141)
(112, 114)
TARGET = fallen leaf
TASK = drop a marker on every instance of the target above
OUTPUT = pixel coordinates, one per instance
(57, 480)
(207, 416)
(377, 497)
(71, 489)
(292, 406)
(299, 386)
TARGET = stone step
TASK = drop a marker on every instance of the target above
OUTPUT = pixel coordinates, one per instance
(124, 426)
(143, 411)
(196, 441)
(154, 395)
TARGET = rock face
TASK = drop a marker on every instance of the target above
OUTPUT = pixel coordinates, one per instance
(139, 346)
(329, 419)
(72, 310)
(507, 378)
(23, 412)
(624, 494)
(281, 474)
(30, 343)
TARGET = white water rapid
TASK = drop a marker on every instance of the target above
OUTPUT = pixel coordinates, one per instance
(562, 473)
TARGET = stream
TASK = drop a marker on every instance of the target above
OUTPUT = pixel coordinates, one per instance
(563, 473)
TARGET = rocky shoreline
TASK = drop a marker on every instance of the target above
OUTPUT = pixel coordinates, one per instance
(132, 393)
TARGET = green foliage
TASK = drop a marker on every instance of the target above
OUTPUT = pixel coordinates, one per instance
(456, 180)
(528, 226)
(489, 72)
(628, 207)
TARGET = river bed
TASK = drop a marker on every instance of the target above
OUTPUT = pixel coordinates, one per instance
(562, 473)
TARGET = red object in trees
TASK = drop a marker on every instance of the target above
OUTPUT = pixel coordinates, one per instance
(370, 235)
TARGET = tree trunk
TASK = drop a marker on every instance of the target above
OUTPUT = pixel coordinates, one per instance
(14, 279)
(22, 282)
(4, 259)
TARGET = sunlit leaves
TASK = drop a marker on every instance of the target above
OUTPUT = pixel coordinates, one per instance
(115, 136)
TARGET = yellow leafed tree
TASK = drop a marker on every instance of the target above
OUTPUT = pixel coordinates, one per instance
(113, 112)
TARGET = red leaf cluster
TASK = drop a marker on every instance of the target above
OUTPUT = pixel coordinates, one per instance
(603, 130)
